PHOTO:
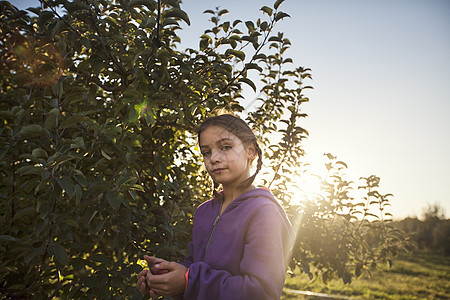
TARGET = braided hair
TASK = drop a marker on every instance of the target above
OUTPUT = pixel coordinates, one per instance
(241, 130)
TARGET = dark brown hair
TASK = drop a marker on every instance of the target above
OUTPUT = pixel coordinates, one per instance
(241, 130)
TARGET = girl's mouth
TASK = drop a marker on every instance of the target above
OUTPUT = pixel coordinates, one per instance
(218, 170)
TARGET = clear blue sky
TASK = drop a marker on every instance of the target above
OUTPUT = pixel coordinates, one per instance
(381, 77)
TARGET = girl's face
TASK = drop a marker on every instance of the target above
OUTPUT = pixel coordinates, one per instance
(226, 159)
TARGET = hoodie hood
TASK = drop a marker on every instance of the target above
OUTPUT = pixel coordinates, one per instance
(256, 194)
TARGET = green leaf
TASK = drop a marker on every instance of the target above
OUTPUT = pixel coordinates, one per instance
(71, 222)
(133, 115)
(277, 4)
(44, 17)
(113, 200)
(267, 10)
(330, 156)
(342, 163)
(3, 151)
(73, 120)
(105, 155)
(60, 253)
(137, 187)
(280, 15)
(78, 193)
(88, 216)
(99, 226)
(79, 141)
(275, 39)
(177, 13)
(81, 180)
(38, 251)
(250, 26)
(264, 26)
(372, 215)
(100, 258)
(150, 4)
(236, 53)
(9, 238)
(235, 22)
(253, 66)
(6, 114)
(29, 170)
(67, 185)
(24, 212)
(132, 194)
(59, 159)
(58, 27)
(226, 26)
(223, 12)
(39, 153)
(50, 121)
(260, 56)
(31, 130)
(249, 82)
(97, 65)
(75, 6)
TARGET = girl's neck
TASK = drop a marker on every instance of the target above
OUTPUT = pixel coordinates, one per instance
(229, 194)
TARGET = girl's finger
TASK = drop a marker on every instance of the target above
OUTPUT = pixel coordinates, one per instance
(143, 288)
(153, 295)
(155, 280)
(140, 283)
(153, 260)
(143, 273)
(165, 265)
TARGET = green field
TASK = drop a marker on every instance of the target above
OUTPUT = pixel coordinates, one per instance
(412, 276)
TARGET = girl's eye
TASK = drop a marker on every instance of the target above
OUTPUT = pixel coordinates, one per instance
(226, 147)
(206, 153)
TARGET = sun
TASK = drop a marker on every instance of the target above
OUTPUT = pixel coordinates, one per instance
(308, 185)
(306, 181)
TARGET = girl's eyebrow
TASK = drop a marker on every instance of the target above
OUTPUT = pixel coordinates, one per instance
(226, 139)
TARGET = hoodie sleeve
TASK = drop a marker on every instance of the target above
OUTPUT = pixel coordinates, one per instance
(262, 265)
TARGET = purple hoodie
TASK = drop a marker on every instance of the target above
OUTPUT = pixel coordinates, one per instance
(244, 255)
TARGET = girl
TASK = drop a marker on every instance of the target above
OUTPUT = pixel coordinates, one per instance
(241, 238)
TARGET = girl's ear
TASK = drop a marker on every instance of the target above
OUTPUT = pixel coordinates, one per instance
(251, 151)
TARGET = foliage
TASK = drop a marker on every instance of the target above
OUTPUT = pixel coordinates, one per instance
(98, 157)
(98, 112)
(343, 233)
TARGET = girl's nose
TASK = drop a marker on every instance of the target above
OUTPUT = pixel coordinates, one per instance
(216, 156)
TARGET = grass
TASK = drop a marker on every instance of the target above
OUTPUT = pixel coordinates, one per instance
(412, 276)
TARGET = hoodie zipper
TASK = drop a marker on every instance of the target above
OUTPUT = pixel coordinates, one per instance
(213, 229)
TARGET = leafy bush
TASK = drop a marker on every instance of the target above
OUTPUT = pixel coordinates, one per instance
(343, 233)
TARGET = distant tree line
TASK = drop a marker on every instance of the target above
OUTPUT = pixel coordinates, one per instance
(431, 233)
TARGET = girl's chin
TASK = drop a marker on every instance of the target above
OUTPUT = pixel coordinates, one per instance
(219, 180)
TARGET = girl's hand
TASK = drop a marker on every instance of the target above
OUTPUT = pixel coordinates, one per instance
(153, 263)
(168, 284)
(142, 282)
(153, 269)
